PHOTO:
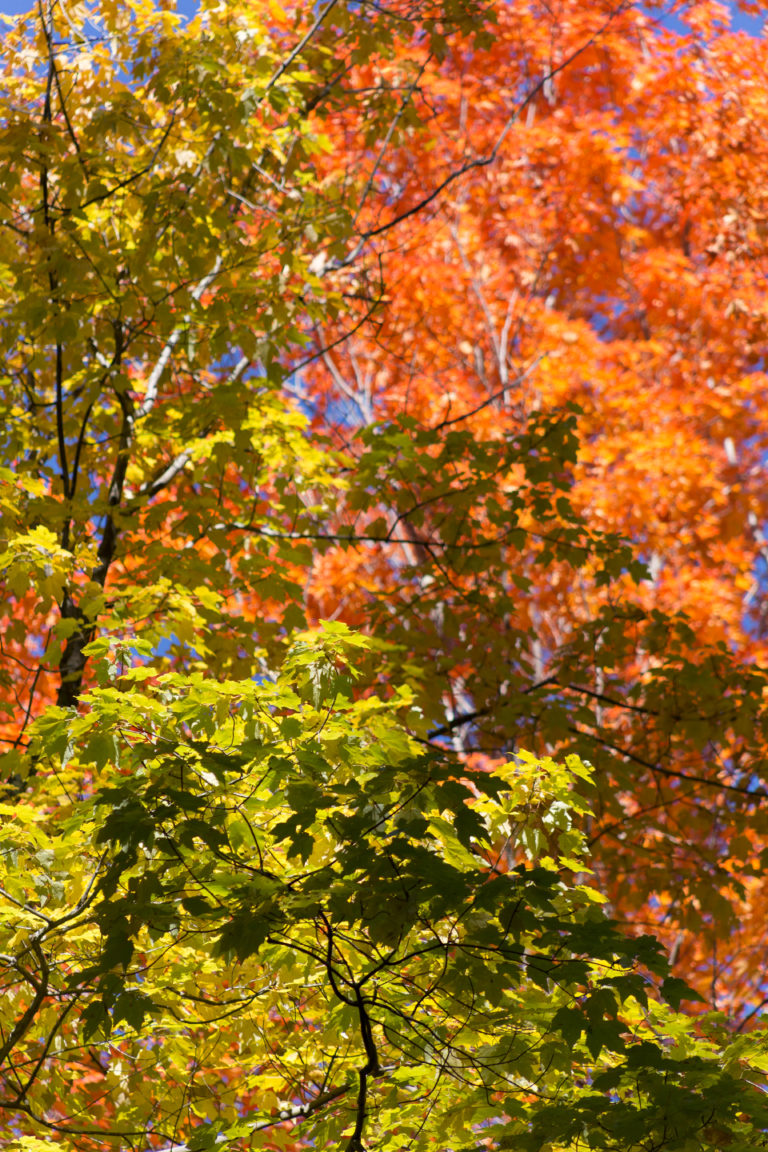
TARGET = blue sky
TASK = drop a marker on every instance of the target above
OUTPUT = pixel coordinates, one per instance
(12, 7)
(750, 24)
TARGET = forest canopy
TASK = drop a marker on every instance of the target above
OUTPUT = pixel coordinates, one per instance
(383, 569)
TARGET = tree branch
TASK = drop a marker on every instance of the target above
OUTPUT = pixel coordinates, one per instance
(299, 48)
(479, 161)
(27, 1017)
(153, 382)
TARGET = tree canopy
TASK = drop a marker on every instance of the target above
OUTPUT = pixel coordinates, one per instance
(382, 577)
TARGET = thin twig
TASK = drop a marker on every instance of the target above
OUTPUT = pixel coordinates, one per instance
(299, 47)
(153, 382)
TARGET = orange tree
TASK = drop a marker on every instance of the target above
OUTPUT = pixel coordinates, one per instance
(245, 894)
(604, 248)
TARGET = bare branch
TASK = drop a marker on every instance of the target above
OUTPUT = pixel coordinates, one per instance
(299, 47)
(153, 382)
(390, 132)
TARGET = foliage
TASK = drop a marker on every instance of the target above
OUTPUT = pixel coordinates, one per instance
(610, 261)
(290, 582)
(275, 917)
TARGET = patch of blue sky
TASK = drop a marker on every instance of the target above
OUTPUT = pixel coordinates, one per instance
(609, 310)
(739, 21)
(171, 645)
(185, 8)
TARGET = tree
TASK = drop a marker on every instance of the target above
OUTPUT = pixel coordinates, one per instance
(248, 895)
(610, 257)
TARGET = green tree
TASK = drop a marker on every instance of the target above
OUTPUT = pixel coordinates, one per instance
(241, 901)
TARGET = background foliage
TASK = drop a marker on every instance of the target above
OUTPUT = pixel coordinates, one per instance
(382, 577)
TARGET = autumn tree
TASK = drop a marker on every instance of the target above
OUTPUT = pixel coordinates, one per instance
(589, 295)
(281, 617)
